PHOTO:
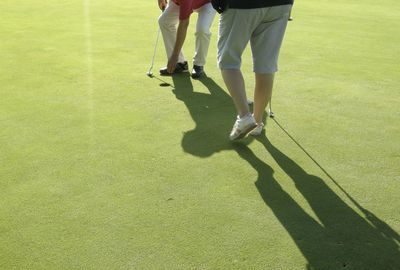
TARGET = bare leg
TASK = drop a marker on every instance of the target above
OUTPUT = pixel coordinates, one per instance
(262, 94)
(234, 81)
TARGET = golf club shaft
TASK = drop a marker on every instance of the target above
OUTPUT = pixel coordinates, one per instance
(154, 53)
(270, 105)
(271, 113)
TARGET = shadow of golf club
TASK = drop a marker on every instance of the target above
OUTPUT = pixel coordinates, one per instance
(339, 238)
(385, 229)
(163, 83)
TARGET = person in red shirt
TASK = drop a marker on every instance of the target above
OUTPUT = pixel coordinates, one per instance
(174, 22)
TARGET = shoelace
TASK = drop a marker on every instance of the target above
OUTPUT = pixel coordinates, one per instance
(236, 125)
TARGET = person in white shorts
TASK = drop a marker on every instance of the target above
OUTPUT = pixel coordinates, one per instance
(263, 23)
(174, 22)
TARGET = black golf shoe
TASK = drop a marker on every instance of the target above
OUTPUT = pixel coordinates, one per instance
(179, 68)
(197, 71)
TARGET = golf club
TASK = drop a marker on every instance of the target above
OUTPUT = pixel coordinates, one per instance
(270, 112)
(150, 72)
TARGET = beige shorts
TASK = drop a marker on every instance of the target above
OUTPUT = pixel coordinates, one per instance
(263, 27)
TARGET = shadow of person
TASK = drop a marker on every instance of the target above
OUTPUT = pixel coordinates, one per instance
(340, 238)
(212, 113)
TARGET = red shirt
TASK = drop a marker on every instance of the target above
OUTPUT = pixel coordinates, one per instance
(186, 7)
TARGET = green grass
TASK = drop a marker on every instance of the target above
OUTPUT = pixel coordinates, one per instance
(103, 168)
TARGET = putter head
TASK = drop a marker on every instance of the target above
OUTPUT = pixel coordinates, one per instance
(150, 74)
(271, 114)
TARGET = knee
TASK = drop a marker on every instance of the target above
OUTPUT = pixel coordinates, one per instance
(166, 24)
(162, 21)
(203, 31)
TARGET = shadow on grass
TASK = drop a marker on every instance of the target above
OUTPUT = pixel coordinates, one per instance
(212, 113)
(341, 238)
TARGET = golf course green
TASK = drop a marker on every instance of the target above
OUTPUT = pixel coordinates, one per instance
(103, 167)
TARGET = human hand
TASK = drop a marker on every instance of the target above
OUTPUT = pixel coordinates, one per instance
(172, 63)
(162, 4)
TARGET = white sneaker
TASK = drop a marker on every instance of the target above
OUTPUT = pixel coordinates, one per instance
(257, 131)
(242, 127)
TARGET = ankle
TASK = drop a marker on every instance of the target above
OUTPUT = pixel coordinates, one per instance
(257, 119)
